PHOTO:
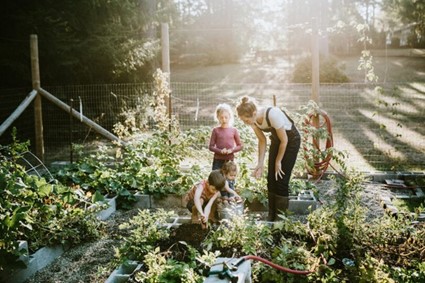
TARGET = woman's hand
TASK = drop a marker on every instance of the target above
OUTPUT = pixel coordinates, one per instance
(258, 171)
(278, 171)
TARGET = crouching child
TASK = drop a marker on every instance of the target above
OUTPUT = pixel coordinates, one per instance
(201, 199)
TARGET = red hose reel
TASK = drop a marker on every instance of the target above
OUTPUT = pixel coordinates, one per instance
(318, 120)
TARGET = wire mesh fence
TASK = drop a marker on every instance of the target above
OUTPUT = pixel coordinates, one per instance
(380, 129)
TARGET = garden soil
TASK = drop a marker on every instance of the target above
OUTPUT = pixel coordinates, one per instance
(94, 262)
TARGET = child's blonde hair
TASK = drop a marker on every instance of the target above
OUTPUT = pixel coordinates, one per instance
(229, 166)
(224, 107)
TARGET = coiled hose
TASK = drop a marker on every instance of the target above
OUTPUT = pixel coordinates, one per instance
(320, 166)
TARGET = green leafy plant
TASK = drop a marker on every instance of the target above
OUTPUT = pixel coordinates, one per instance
(36, 211)
(144, 231)
(161, 268)
(240, 236)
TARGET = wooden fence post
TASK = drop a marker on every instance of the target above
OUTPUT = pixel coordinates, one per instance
(38, 116)
(165, 46)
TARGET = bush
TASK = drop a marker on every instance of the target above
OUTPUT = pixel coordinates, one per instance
(329, 70)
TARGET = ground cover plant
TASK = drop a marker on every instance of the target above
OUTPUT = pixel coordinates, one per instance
(39, 212)
(337, 244)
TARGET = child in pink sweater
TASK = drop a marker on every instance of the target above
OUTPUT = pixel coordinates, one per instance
(225, 139)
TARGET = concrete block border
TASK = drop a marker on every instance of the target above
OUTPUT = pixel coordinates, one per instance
(107, 212)
(300, 204)
(123, 272)
(144, 201)
(46, 255)
(34, 263)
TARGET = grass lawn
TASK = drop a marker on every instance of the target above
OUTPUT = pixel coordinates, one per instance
(386, 134)
(388, 69)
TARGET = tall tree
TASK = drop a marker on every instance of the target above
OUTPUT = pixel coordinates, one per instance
(85, 41)
(409, 12)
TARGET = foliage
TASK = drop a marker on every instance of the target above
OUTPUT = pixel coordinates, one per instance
(338, 243)
(163, 268)
(151, 167)
(166, 151)
(366, 58)
(143, 232)
(86, 42)
(241, 234)
(409, 13)
(298, 185)
(248, 187)
(166, 266)
(329, 71)
(39, 212)
(162, 93)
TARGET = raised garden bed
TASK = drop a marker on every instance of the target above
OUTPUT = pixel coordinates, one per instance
(34, 262)
(108, 211)
(46, 255)
(123, 272)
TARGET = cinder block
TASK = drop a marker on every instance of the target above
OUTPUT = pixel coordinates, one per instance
(107, 212)
(36, 262)
(167, 201)
(123, 272)
(142, 201)
(302, 203)
(419, 193)
(23, 248)
(385, 201)
(59, 164)
(301, 206)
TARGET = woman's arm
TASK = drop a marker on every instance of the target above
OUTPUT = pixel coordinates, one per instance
(283, 137)
(262, 143)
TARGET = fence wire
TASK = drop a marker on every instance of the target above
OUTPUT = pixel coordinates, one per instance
(382, 130)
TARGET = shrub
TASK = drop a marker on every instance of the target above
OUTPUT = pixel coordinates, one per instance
(329, 71)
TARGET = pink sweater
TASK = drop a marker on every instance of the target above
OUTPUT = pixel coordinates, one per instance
(225, 138)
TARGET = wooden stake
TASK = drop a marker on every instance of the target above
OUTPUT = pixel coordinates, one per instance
(38, 114)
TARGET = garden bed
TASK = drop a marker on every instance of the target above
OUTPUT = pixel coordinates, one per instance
(93, 262)
(46, 255)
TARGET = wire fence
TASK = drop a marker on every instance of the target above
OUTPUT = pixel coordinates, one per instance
(381, 130)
